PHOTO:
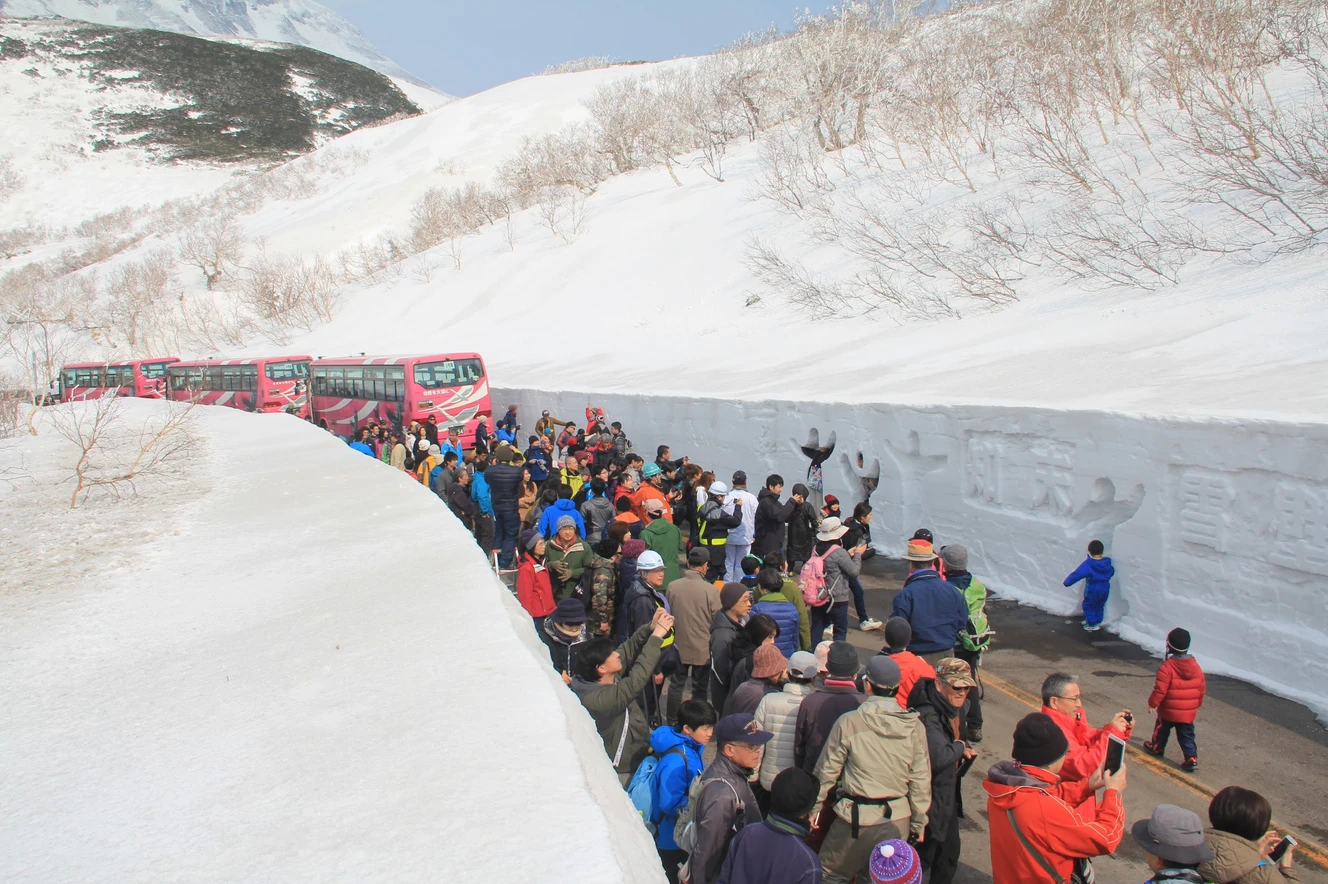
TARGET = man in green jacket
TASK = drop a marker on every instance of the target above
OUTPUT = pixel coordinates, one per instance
(567, 556)
(976, 634)
(611, 698)
(663, 537)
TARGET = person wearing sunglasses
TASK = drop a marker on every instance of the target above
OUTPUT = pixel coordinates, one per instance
(942, 706)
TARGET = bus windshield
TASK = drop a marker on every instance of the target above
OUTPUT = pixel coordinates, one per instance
(452, 373)
(287, 371)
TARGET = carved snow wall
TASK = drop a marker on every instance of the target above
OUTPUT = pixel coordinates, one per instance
(1217, 526)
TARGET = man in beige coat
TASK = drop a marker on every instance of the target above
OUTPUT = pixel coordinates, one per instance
(694, 603)
(876, 757)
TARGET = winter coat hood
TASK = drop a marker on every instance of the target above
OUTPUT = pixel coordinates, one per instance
(1007, 777)
(1102, 569)
(664, 738)
(558, 636)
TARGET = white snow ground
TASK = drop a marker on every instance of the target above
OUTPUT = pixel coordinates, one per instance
(282, 662)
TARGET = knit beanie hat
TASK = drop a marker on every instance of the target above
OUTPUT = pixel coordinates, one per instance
(529, 538)
(1178, 641)
(955, 557)
(793, 793)
(566, 522)
(730, 594)
(1039, 741)
(898, 633)
(801, 489)
(842, 660)
(895, 862)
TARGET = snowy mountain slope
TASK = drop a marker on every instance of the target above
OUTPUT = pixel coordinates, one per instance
(278, 21)
(97, 118)
(251, 673)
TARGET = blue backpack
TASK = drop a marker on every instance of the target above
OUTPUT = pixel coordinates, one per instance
(645, 786)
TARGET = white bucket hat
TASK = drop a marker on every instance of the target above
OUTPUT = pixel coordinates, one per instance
(831, 529)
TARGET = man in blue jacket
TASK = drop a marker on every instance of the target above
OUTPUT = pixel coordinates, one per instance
(936, 610)
(679, 750)
(563, 506)
(538, 459)
(776, 852)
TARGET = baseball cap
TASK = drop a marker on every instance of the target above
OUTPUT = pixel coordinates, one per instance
(650, 561)
(739, 478)
(803, 664)
(740, 728)
(883, 671)
(698, 555)
(654, 505)
(955, 673)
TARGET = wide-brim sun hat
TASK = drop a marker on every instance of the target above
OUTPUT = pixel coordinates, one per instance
(831, 529)
(920, 551)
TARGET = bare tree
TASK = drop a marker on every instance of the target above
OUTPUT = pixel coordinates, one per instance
(215, 246)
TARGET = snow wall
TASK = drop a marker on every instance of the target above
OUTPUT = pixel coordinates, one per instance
(340, 691)
(1217, 526)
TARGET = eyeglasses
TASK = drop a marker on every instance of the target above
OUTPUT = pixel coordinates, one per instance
(1072, 699)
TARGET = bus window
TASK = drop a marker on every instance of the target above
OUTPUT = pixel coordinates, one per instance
(452, 373)
(120, 376)
(249, 377)
(396, 383)
(69, 378)
(287, 371)
(154, 370)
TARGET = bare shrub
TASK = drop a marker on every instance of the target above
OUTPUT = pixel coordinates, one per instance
(11, 182)
(215, 246)
(577, 65)
(18, 240)
(563, 159)
(113, 457)
(286, 291)
(139, 304)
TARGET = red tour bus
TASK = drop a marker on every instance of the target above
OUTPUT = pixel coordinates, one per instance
(395, 390)
(142, 378)
(268, 384)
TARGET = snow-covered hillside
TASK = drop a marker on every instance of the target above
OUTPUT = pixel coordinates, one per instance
(283, 661)
(301, 22)
(98, 119)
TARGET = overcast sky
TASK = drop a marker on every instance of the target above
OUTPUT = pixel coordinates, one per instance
(467, 47)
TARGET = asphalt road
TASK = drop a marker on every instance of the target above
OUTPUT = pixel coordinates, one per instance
(1246, 737)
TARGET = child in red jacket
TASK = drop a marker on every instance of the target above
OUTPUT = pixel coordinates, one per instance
(1177, 695)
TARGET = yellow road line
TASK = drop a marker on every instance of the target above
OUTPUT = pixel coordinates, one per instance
(1310, 850)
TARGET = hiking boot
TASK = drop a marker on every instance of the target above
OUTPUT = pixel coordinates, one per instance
(1151, 748)
(1190, 765)
(869, 624)
(975, 735)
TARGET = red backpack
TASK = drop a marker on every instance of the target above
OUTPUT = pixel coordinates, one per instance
(812, 580)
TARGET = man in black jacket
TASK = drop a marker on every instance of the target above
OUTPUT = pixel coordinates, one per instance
(942, 706)
(802, 526)
(459, 502)
(771, 516)
(504, 479)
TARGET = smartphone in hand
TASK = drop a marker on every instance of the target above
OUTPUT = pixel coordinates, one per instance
(1280, 850)
(1115, 754)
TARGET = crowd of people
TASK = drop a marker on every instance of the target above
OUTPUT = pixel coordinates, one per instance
(703, 628)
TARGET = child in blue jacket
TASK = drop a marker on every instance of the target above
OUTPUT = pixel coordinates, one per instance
(1096, 571)
(676, 770)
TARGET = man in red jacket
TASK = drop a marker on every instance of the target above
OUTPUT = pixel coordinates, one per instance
(1177, 695)
(1062, 702)
(1037, 835)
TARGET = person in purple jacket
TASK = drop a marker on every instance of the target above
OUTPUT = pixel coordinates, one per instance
(1096, 571)
(776, 852)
